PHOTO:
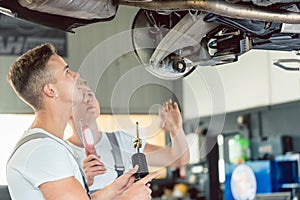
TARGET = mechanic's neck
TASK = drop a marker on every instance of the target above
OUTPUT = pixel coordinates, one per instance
(76, 139)
(97, 134)
(45, 121)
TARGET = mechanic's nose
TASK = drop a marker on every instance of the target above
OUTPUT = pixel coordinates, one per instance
(88, 97)
(76, 75)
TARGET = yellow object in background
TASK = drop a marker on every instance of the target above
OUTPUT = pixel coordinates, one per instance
(180, 190)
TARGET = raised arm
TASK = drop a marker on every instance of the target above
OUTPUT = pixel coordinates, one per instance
(178, 153)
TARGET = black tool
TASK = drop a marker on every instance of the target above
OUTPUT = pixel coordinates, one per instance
(139, 158)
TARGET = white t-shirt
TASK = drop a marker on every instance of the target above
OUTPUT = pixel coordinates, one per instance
(39, 161)
(104, 150)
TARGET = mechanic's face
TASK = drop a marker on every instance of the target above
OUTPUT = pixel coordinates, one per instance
(67, 81)
(88, 110)
(91, 103)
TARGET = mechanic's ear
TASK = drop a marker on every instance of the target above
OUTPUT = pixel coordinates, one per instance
(49, 91)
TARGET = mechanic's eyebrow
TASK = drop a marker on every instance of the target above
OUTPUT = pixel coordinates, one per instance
(67, 67)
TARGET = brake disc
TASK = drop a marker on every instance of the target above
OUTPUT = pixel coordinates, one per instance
(168, 43)
(148, 30)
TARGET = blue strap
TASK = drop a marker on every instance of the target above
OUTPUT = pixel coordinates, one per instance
(119, 166)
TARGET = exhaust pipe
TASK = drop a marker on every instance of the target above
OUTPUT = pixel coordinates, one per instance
(218, 7)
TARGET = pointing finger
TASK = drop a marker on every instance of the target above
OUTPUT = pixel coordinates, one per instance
(149, 177)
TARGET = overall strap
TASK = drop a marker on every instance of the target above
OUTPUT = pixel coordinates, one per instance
(26, 139)
(42, 135)
(119, 166)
